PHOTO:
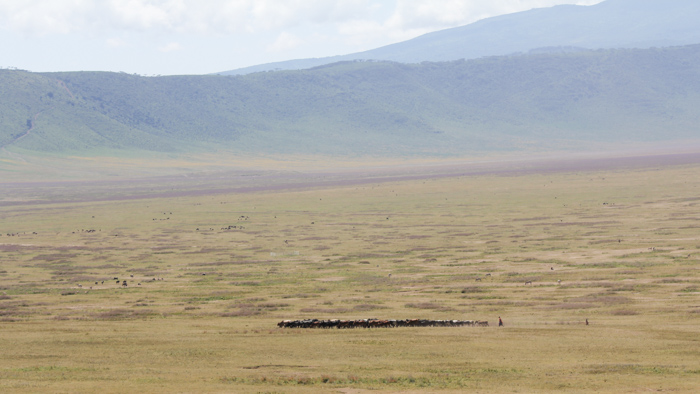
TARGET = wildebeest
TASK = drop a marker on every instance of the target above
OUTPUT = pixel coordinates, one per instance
(284, 323)
(377, 323)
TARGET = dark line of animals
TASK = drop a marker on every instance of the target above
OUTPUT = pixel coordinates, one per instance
(123, 283)
(223, 228)
(377, 323)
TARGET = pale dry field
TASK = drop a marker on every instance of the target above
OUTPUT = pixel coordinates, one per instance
(619, 247)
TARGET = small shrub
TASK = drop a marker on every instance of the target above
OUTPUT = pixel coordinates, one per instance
(321, 310)
(624, 312)
(328, 379)
(246, 283)
(605, 299)
(672, 281)
(572, 305)
(424, 305)
(368, 307)
(273, 306)
(300, 295)
(242, 312)
(122, 314)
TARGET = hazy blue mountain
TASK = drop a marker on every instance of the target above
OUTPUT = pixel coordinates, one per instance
(610, 24)
(544, 101)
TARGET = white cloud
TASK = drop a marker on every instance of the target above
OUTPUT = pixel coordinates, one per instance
(39, 17)
(285, 41)
(358, 32)
(170, 47)
(226, 16)
(184, 16)
(144, 14)
(360, 23)
(115, 42)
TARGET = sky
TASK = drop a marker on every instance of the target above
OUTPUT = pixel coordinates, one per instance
(176, 37)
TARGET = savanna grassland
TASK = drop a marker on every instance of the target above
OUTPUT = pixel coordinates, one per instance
(212, 264)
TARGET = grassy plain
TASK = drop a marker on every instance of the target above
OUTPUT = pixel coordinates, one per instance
(624, 243)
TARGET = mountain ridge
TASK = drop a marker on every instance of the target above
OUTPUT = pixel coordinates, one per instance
(541, 101)
(606, 25)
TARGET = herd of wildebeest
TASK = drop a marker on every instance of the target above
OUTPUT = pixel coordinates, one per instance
(377, 323)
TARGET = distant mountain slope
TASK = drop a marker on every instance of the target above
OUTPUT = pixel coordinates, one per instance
(610, 24)
(539, 101)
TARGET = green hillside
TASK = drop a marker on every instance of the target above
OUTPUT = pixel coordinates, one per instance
(541, 101)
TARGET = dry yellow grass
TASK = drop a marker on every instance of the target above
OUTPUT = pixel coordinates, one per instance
(617, 247)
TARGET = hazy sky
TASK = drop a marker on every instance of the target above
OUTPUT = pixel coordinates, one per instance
(167, 37)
